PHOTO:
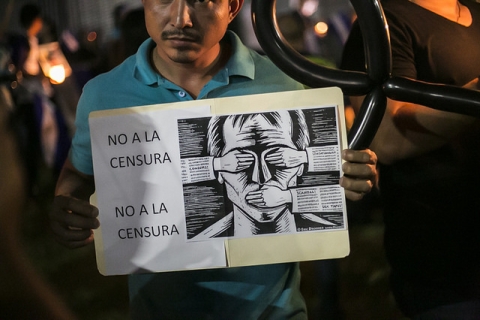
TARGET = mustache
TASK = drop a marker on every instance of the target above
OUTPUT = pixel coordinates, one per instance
(187, 34)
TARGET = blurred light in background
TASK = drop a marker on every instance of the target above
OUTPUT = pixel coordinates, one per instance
(321, 29)
(57, 74)
(53, 62)
(92, 36)
(309, 7)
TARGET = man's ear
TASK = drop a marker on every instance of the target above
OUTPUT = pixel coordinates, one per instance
(235, 6)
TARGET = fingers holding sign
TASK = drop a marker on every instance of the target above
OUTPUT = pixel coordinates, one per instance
(72, 221)
(360, 173)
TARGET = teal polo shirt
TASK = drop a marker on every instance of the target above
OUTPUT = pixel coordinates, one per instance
(269, 291)
(136, 83)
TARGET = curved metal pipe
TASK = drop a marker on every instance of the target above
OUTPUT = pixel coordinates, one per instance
(376, 83)
(313, 75)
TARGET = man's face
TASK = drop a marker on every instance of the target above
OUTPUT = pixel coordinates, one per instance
(258, 137)
(188, 31)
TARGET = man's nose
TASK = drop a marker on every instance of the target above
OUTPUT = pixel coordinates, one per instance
(181, 14)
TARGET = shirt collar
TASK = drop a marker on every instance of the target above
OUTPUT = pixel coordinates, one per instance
(240, 63)
(143, 70)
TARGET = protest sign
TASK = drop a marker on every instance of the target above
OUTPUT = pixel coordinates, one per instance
(220, 182)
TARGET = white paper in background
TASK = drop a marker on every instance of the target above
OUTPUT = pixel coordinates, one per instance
(142, 217)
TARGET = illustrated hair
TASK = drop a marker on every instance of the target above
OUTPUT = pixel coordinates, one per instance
(215, 133)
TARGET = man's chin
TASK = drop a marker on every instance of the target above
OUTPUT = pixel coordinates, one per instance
(182, 55)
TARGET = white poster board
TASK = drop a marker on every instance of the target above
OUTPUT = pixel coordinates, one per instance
(221, 182)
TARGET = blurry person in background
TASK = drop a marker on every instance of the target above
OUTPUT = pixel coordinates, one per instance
(130, 34)
(27, 104)
(429, 160)
(42, 117)
(118, 13)
(24, 293)
(111, 55)
(32, 22)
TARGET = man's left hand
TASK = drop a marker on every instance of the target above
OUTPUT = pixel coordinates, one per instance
(360, 173)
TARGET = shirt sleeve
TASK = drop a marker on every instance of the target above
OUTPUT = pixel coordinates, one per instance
(401, 41)
(81, 149)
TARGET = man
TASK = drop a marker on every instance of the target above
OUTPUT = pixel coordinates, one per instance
(189, 56)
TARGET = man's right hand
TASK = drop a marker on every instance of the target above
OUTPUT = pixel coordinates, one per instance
(73, 220)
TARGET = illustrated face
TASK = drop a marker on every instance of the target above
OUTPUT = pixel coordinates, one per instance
(188, 30)
(258, 137)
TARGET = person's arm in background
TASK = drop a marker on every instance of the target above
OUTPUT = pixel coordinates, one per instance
(408, 129)
(73, 217)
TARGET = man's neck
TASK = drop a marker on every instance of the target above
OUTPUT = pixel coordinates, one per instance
(195, 75)
(246, 227)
